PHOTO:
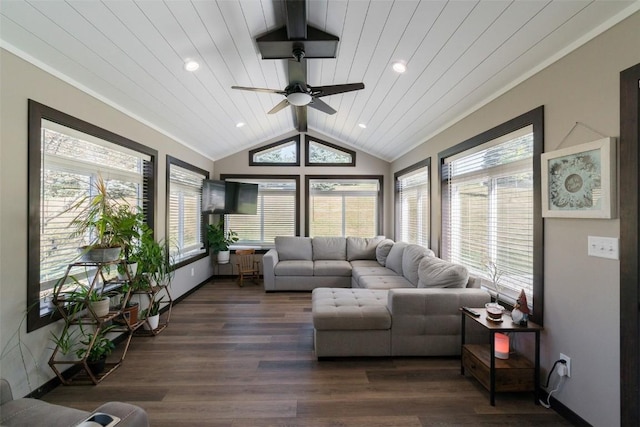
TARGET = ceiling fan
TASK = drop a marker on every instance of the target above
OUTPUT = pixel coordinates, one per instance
(295, 42)
(300, 95)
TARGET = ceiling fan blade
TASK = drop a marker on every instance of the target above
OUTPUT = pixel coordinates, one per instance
(259, 89)
(297, 71)
(300, 116)
(282, 104)
(318, 104)
(318, 91)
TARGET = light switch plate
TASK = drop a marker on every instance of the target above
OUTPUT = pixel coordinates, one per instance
(603, 247)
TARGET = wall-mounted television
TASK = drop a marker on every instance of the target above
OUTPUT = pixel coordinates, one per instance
(228, 197)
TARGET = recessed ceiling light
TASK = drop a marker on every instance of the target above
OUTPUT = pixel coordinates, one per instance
(399, 67)
(362, 125)
(240, 124)
(191, 65)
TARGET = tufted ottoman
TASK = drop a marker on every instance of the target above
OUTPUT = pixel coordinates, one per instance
(351, 322)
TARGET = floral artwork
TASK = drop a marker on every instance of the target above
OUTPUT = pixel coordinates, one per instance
(579, 182)
(575, 181)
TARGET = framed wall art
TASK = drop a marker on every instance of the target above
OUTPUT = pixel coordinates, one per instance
(580, 181)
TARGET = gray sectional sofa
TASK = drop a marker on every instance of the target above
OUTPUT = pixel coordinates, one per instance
(401, 299)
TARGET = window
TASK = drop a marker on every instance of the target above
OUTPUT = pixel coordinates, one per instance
(413, 204)
(277, 212)
(280, 153)
(344, 206)
(322, 153)
(184, 211)
(491, 211)
(66, 157)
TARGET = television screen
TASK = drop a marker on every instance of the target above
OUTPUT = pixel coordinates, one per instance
(213, 196)
(247, 198)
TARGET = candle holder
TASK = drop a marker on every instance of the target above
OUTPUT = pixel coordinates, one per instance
(501, 346)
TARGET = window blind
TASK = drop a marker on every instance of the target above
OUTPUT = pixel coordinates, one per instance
(71, 165)
(488, 211)
(185, 212)
(276, 213)
(414, 204)
(343, 207)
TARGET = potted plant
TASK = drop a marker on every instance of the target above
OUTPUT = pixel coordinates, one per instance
(129, 227)
(81, 296)
(152, 314)
(97, 220)
(219, 241)
(154, 262)
(97, 354)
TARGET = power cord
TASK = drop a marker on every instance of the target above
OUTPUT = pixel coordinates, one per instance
(562, 372)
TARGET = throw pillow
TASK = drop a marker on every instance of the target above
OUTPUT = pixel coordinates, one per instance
(394, 259)
(411, 260)
(382, 251)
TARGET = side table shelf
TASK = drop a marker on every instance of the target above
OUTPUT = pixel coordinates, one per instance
(84, 327)
(517, 373)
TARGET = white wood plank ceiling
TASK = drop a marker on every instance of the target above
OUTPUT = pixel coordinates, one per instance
(459, 55)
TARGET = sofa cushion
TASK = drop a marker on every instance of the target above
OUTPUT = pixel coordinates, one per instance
(294, 268)
(329, 248)
(364, 263)
(358, 272)
(294, 248)
(437, 273)
(384, 282)
(411, 258)
(349, 309)
(382, 250)
(331, 268)
(362, 247)
(394, 259)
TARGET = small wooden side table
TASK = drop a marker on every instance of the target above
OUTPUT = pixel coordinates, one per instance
(484, 354)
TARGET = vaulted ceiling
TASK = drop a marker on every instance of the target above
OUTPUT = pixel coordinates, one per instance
(459, 55)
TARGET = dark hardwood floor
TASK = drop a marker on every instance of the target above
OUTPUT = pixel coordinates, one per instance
(241, 357)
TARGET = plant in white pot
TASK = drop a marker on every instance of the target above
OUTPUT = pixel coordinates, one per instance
(219, 240)
(152, 315)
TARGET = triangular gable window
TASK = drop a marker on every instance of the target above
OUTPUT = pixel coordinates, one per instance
(322, 153)
(281, 153)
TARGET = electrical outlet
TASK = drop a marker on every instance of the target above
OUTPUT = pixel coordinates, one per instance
(568, 364)
(193, 271)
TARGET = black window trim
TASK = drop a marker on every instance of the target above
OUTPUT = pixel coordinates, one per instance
(295, 138)
(396, 193)
(36, 113)
(380, 179)
(203, 217)
(534, 118)
(308, 162)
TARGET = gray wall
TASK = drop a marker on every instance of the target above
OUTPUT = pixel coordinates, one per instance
(21, 81)
(366, 164)
(581, 293)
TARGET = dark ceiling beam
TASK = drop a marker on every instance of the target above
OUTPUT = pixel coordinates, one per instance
(296, 19)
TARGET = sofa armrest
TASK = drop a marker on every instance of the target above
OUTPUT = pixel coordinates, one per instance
(130, 415)
(5, 392)
(269, 261)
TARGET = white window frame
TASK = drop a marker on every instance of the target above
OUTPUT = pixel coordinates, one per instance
(421, 190)
(187, 186)
(378, 194)
(264, 188)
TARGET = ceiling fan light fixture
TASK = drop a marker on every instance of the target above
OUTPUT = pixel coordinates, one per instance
(299, 99)
(191, 65)
(399, 67)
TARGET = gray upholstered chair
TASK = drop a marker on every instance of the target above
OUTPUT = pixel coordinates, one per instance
(34, 412)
